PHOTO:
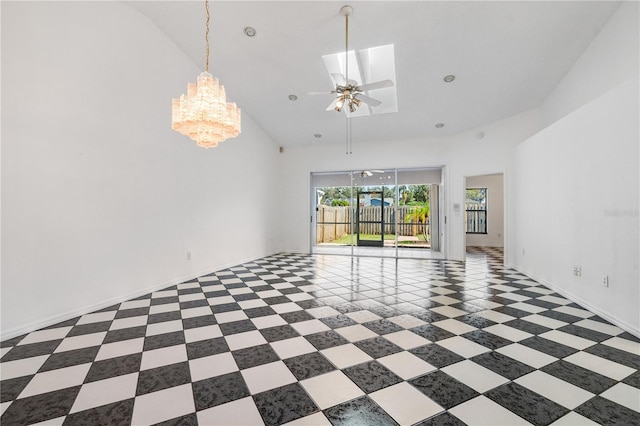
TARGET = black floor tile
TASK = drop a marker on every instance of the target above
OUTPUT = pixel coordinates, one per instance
(581, 377)
(309, 365)
(236, 327)
(326, 339)
(487, 339)
(31, 350)
(70, 358)
(11, 388)
(219, 390)
(361, 411)
(382, 326)
(615, 355)
(280, 332)
(117, 413)
(204, 348)
(254, 356)
(503, 365)
(444, 419)
(527, 404)
(378, 347)
(443, 389)
(436, 355)
(163, 340)
(164, 377)
(113, 367)
(529, 327)
(284, 404)
(607, 412)
(432, 333)
(371, 376)
(548, 347)
(125, 334)
(338, 321)
(40, 408)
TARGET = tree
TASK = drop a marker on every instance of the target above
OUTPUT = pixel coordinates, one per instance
(420, 214)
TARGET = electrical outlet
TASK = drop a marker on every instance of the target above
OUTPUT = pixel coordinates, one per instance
(188, 255)
(577, 271)
(605, 281)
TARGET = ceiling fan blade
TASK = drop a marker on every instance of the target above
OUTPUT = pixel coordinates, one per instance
(375, 86)
(367, 100)
(322, 93)
(339, 79)
(332, 105)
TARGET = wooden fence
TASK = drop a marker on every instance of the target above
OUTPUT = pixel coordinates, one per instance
(333, 222)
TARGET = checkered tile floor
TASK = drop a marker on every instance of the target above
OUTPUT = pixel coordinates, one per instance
(316, 340)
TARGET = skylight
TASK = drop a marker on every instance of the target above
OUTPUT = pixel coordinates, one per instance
(368, 66)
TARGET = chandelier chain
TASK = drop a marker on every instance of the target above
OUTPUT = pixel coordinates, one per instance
(206, 35)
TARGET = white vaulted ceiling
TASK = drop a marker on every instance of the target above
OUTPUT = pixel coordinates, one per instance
(506, 56)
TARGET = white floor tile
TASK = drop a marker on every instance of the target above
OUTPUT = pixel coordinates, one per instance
(529, 356)
(202, 333)
(574, 419)
(102, 392)
(5, 405)
(97, 317)
(163, 327)
(625, 395)
(494, 316)
(514, 296)
(119, 324)
(268, 321)
(165, 307)
(164, 293)
(212, 366)
(346, 355)
(220, 300)
(600, 365)
(184, 286)
(22, 367)
(475, 376)
(283, 308)
(406, 321)
(449, 311)
(405, 404)
(481, 411)
(236, 291)
(406, 365)
(600, 327)
(331, 389)
(116, 349)
(507, 332)
(268, 293)
(309, 327)
(544, 321)
(463, 347)
(297, 297)
(267, 376)
(444, 300)
(163, 405)
(232, 316)
(56, 379)
(555, 299)
(574, 311)
(363, 316)
(555, 389)
(568, 339)
(355, 333)
(45, 335)
(454, 326)
(241, 412)
(323, 312)
(82, 341)
(163, 356)
(316, 419)
(252, 303)
(624, 345)
(245, 340)
(406, 339)
(196, 312)
(292, 347)
(132, 304)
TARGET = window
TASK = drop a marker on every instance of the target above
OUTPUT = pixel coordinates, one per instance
(476, 211)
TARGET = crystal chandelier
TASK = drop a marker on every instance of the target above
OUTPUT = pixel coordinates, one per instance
(204, 114)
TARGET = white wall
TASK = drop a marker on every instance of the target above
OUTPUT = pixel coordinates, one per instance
(611, 59)
(574, 196)
(575, 203)
(101, 200)
(495, 211)
(463, 155)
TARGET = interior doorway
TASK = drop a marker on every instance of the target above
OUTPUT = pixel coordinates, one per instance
(484, 213)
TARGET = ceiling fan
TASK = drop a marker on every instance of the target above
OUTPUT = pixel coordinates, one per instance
(368, 173)
(349, 92)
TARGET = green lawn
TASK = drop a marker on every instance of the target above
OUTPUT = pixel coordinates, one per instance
(346, 239)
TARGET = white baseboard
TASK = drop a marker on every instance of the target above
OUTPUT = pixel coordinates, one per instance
(606, 315)
(37, 325)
